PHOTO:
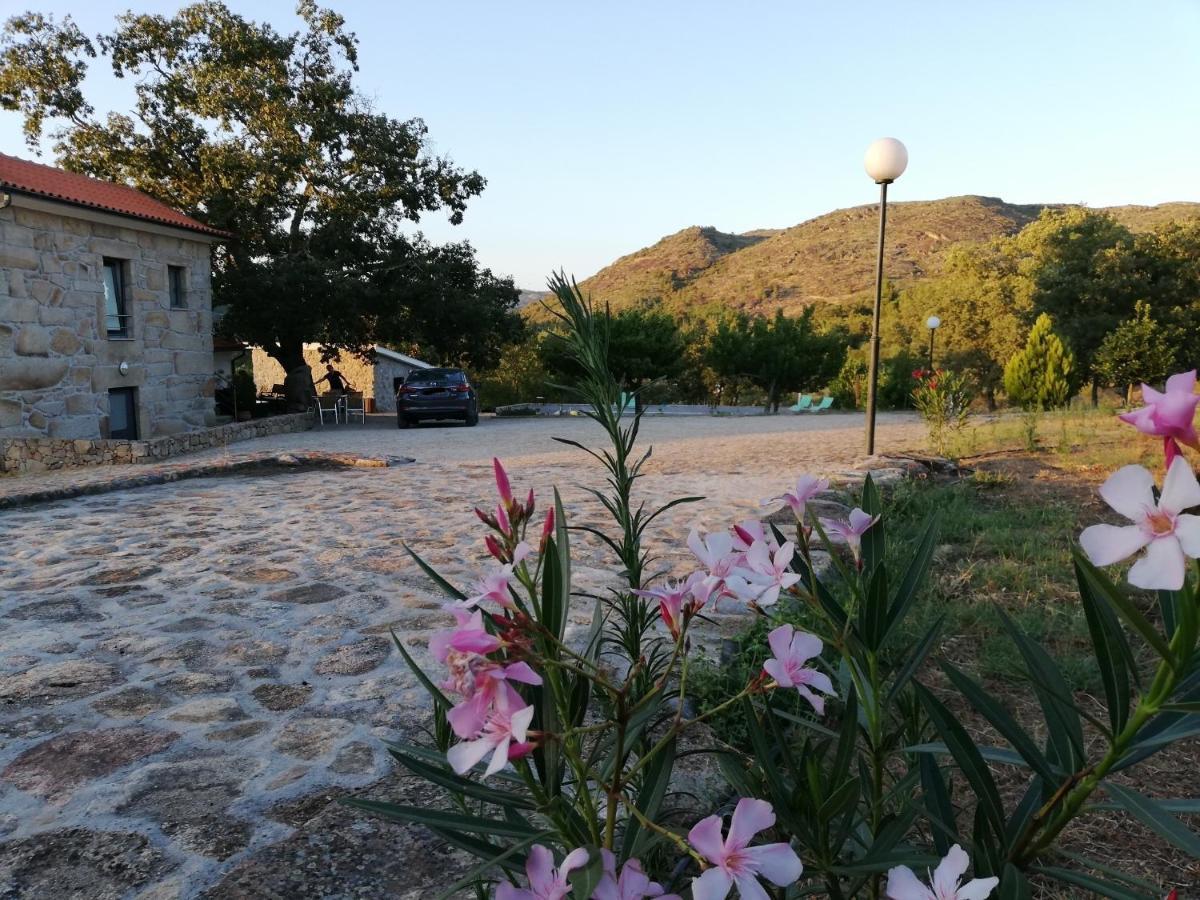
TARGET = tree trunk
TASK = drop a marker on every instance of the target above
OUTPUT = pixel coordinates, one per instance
(1095, 393)
(1128, 395)
(298, 386)
(990, 395)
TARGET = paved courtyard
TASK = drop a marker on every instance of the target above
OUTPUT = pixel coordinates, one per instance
(190, 673)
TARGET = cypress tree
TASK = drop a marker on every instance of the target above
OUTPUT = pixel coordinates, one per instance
(1039, 376)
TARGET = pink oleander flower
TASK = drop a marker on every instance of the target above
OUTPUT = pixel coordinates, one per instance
(461, 648)
(792, 650)
(545, 881)
(764, 575)
(502, 520)
(850, 532)
(632, 884)
(487, 680)
(747, 532)
(902, 884)
(1168, 534)
(717, 555)
(1170, 415)
(495, 585)
(547, 530)
(506, 730)
(676, 601)
(807, 487)
(503, 485)
(734, 862)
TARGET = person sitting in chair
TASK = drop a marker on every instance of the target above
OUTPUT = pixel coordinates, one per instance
(336, 380)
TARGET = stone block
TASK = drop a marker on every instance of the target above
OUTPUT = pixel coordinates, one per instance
(115, 248)
(6, 340)
(33, 340)
(37, 420)
(10, 413)
(176, 340)
(81, 404)
(44, 292)
(193, 363)
(158, 318)
(64, 342)
(56, 315)
(31, 373)
(12, 257)
(14, 309)
(75, 427)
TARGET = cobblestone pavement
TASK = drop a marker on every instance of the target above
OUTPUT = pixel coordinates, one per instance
(190, 672)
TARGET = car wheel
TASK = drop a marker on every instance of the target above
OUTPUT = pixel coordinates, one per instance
(403, 422)
(472, 417)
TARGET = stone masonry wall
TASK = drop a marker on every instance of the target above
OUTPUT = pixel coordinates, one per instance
(373, 379)
(28, 455)
(57, 362)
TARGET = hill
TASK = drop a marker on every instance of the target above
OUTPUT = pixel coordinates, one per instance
(829, 259)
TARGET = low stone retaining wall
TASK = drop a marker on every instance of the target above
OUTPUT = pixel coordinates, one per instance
(27, 455)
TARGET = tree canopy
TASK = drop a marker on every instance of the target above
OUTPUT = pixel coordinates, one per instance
(777, 354)
(265, 135)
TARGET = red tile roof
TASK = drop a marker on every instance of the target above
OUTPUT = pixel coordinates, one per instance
(26, 177)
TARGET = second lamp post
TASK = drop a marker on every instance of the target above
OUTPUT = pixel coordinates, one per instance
(932, 323)
(886, 161)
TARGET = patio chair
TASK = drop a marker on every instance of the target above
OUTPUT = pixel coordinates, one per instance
(327, 404)
(354, 405)
(825, 404)
(803, 402)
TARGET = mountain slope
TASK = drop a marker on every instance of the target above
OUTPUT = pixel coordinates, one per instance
(829, 259)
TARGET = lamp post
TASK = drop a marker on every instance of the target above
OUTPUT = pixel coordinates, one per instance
(886, 161)
(932, 323)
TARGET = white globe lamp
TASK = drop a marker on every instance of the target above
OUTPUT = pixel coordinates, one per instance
(886, 160)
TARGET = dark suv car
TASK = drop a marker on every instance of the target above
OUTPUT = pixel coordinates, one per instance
(436, 394)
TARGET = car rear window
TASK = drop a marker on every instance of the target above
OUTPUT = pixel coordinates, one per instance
(436, 376)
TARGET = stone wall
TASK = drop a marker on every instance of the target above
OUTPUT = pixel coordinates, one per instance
(373, 379)
(28, 455)
(57, 362)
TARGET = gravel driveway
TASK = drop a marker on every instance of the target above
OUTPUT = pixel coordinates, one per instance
(190, 672)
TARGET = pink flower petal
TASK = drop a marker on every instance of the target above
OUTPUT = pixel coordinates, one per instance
(1130, 491)
(714, 884)
(520, 671)
(705, 836)
(780, 641)
(1182, 383)
(1162, 568)
(1108, 544)
(466, 755)
(778, 863)
(750, 817)
(749, 888)
(540, 869)
(778, 671)
(805, 646)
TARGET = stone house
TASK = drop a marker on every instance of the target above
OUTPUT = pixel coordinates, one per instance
(105, 309)
(376, 379)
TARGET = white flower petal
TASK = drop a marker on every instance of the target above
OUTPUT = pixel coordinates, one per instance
(902, 884)
(950, 871)
(1162, 568)
(1187, 529)
(977, 889)
(1180, 490)
(1130, 491)
(1108, 544)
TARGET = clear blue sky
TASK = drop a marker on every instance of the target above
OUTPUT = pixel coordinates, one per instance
(602, 127)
